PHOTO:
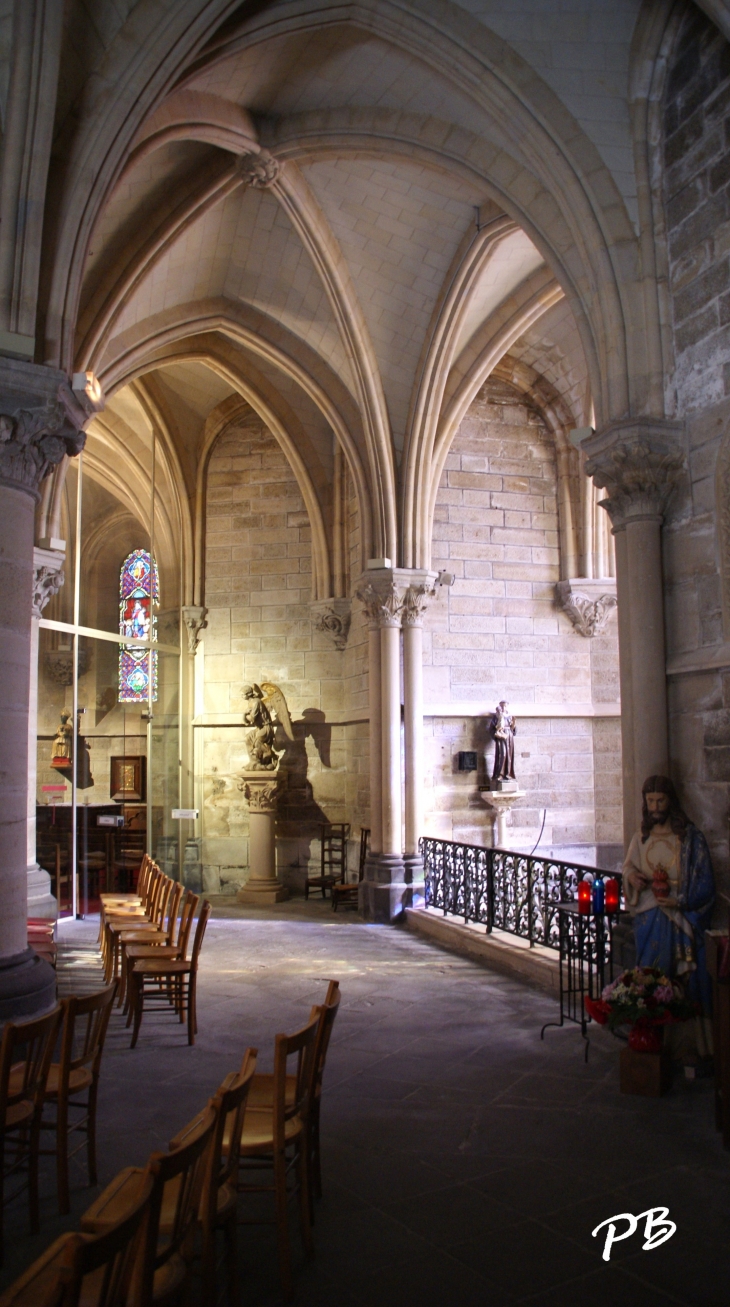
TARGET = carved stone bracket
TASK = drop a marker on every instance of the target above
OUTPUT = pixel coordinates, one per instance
(588, 603)
(332, 617)
(639, 462)
(41, 420)
(48, 577)
(60, 664)
(194, 616)
(260, 170)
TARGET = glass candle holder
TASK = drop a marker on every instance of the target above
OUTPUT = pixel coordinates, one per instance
(611, 894)
(584, 896)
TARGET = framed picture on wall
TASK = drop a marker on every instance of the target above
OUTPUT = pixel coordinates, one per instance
(129, 778)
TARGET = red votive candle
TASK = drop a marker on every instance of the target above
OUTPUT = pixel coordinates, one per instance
(584, 896)
(612, 894)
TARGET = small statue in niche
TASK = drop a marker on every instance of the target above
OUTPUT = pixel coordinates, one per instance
(504, 729)
(62, 747)
(268, 708)
(62, 754)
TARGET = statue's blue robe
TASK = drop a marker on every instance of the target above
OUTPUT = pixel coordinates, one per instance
(662, 942)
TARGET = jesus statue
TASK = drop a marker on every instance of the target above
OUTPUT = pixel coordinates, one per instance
(669, 888)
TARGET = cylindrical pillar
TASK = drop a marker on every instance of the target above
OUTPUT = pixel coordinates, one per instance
(626, 683)
(413, 733)
(392, 835)
(648, 658)
(262, 887)
(376, 742)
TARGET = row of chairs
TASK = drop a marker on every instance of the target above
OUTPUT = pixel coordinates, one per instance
(144, 939)
(39, 1095)
(139, 1239)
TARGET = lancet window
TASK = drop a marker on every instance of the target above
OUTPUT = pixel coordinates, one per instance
(139, 593)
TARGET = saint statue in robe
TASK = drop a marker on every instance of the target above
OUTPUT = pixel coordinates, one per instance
(504, 729)
(669, 888)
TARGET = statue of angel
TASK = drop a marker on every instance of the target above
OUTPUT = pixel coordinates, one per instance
(267, 708)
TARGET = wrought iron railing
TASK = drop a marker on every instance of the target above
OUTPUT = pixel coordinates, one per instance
(514, 892)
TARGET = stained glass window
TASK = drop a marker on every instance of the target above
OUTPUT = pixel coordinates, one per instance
(139, 590)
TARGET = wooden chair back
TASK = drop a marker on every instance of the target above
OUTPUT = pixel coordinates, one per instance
(301, 1046)
(173, 907)
(205, 912)
(229, 1105)
(109, 1258)
(183, 1170)
(85, 1023)
(167, 885)
(185, 922)
(364, 848)
(328, 1012)
(26, 1050)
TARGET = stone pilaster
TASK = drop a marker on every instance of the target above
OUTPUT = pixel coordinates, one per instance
(415, 600)
(48, 577)
(639, 462)
(41, 421)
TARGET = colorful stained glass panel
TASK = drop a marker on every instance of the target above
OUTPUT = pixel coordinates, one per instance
(138, 592)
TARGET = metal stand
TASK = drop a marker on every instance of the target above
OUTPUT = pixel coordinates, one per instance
(586, 964)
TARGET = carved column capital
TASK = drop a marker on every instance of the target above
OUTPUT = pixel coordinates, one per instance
(332, 617)
(41, 420)
(396, 596)
(194, 616)
(588, 603)
(639, 462)
(262, 791)
(48, 577)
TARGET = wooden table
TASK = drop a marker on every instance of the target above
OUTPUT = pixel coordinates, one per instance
(721, 1030)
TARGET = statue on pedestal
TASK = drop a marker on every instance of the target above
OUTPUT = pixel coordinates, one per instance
(267, 708)
(504, 729)
(669, 887)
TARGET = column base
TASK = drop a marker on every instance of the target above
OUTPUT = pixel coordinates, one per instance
(391, 884)
(262, 892)
(41, 902)
(27, 986)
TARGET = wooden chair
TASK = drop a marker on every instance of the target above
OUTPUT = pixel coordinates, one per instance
(25, 1056)
(333, 857)
(146, 933)
(177, 948)
(219, 1197)
(167, 980)
(130, 907)
(162, 1273)
(117, 925)
(261, 1094)
(348, 892)
(73, 1083)
(83, 1270)
(133, 896)
(276, 1137)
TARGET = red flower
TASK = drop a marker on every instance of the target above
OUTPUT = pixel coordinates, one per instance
(597, 1009)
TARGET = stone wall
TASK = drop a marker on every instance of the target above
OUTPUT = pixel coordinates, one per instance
(697, 208)
(497, 633)
(258, 592)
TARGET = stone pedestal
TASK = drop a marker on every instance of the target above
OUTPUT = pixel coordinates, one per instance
(261, 788)
(501, 802)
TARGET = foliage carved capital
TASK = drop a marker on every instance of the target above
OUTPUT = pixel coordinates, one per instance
(639, 463)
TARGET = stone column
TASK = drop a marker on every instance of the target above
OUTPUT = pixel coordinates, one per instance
(41, 419)
(47, 581)
(639, 462)
(414, 603)
(261, 788)
(392, 882)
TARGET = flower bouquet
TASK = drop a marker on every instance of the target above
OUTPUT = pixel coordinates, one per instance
(646, 999)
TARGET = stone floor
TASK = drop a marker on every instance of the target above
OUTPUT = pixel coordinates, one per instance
(465, 1161)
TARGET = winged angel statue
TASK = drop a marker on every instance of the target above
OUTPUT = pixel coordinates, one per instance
(267, 708)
